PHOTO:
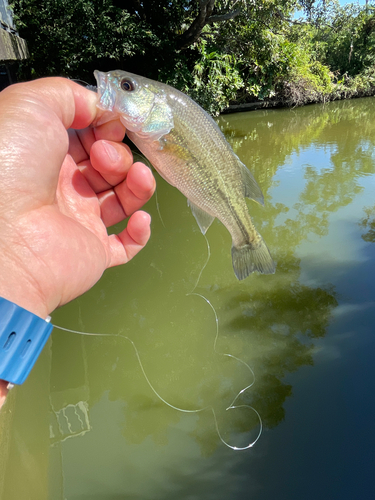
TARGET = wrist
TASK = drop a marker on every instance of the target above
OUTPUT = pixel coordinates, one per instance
(17, 286)
(3, 391)
(19, 269)
(23, 299)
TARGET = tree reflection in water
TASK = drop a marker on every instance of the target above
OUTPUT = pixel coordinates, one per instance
(368, 223)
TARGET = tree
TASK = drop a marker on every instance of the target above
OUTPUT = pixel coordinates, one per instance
(187, 43)
(217, 51)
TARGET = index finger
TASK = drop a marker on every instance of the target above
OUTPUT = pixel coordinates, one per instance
(73, 104)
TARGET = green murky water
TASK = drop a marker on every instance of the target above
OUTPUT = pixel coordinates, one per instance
(87, 425)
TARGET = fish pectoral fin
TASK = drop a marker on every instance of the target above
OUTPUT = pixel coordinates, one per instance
(203, 219)
(159, 122)
(252, 190)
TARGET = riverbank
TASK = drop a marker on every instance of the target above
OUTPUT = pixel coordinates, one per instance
(298, 93)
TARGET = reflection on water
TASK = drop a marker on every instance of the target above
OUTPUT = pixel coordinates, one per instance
(368, 223)
(87, 424)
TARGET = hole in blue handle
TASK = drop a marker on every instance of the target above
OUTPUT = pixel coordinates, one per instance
(9, 341)
(26, 348)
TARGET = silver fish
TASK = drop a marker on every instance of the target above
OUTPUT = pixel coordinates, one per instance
(189, 151)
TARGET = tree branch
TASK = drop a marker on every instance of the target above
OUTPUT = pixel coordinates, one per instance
(192, 34)
(224, 17)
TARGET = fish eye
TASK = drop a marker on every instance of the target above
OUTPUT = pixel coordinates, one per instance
(127, 84)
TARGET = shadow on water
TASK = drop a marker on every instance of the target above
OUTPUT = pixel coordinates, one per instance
(311, 164)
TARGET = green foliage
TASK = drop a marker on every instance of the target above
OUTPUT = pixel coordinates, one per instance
(241, 51)
(349, 38)
(213, 80)
(74, 37)
(216, 80)
(66, 37)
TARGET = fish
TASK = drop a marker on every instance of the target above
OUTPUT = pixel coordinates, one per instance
(187, 148)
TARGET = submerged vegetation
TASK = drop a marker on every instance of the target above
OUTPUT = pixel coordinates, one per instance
(220, 52)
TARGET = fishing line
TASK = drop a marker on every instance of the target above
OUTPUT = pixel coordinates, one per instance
(138, 156)
(85, 84)
(232, 405)
(184, 410)
(204, 266)
(158, 208)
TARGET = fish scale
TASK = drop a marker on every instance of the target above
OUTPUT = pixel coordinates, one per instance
(187, 148)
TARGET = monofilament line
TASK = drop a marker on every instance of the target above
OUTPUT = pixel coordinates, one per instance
(232, 405)
(184, 410)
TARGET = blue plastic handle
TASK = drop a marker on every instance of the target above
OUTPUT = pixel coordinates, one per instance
(22, 338)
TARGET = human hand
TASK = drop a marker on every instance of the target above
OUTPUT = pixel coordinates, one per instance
(58, 195)
(59, 191)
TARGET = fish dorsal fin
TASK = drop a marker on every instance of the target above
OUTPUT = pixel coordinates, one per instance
(203, 219)
(252, 190)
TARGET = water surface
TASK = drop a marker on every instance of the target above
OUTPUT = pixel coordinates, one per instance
(86, 424)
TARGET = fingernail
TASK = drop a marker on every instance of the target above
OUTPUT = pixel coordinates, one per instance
(111, 151)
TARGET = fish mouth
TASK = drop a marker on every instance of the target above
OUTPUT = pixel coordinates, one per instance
(106, 95)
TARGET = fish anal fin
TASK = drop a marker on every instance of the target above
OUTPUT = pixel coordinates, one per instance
(252, 190)
(203, 219)
(249, 258)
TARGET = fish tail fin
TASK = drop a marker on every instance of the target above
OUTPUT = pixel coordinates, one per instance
(249, 258)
